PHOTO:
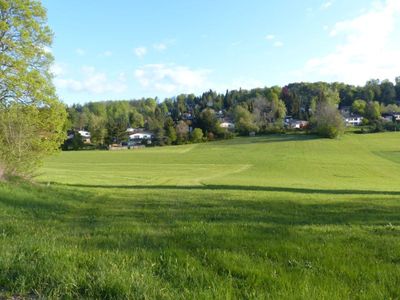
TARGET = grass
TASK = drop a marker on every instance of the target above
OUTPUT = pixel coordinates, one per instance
(277, 217)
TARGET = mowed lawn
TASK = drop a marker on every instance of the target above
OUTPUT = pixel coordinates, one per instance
(275, 217)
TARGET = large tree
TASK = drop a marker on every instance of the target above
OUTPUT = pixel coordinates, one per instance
(32, 118)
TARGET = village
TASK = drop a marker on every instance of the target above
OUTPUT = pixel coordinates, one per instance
(140, 137)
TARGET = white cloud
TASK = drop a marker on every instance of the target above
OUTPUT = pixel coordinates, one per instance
(80, 51)
(107, 53)
(58, 69)
(326, 4)
(140, 51)
(92, 82)
(270, 37)
(160, 47)
(172, 79)
(369, 48)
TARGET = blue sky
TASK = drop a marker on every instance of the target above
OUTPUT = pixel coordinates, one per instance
(125, 49)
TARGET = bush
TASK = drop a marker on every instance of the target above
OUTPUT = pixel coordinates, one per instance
(196, 135)
(328, 122)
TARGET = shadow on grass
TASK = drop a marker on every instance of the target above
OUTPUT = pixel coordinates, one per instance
(271, 138)
(240, 188)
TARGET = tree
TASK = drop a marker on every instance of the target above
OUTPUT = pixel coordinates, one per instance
(388, 92)
(372, 111)
(32, 118)
(327, 121)
(208, 122)
(197, 135)
(269, 113)
(182, 131)
(397, 87)
(372, 90)
(359, 106)
(244, 121)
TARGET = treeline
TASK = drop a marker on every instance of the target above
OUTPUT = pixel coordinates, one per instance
(188, 117)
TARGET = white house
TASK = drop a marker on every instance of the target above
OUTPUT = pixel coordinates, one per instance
(297, 124)
(354, 120)
(141, 136)
(84, 133)
(227, 125)
(85, 136)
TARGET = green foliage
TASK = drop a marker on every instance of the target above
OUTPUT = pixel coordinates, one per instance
(269, 112)
(182, 132)
(209, 123)
(171, 135)
(359, 107)
(244, 121)
(32, 119)
(372, 110)
(327, 121)
(197, 135)
(75, 143)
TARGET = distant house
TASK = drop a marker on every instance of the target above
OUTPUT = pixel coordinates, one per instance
(134, 130)
(140, 137)
(227, 125)
(387, 117)
(296, 124)
(187, 116)
(391, 117)
(353, 120)
(85, 135)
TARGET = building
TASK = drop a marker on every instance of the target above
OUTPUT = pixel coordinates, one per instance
(296, 124)
(354, 120)
(227, 125)
(351, 119)
(391, 117)
(85, 135)
(142, 137)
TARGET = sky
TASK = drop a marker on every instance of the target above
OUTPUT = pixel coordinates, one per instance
(129, 49)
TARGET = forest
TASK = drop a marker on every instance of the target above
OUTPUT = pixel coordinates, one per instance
(190, 118)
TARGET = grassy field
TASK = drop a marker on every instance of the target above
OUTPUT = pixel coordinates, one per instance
(277, 217)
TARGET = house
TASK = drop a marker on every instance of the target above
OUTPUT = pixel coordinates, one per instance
(353, 120)
(391, 117)
(85, 135)
(227, 125)
(387, 117)
(140, 137)
(131, 130)
(296, 124)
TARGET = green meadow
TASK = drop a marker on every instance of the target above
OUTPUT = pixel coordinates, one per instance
(273, 217)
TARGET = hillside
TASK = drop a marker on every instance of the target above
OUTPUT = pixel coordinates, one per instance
(288, 216)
